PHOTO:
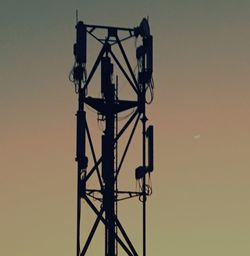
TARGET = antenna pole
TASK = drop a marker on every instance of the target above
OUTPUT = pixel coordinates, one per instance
(144, 120)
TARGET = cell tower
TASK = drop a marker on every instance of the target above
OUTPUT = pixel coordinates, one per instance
(108, 107)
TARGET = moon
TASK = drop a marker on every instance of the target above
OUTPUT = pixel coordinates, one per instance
(197, 136)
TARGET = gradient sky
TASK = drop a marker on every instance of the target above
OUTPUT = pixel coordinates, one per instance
(201, 184)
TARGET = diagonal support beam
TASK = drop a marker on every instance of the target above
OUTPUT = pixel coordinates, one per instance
(116, 139)
(123, 39)
(126, 126)
(126, 60)
(93, 169)
(98, 39)
(127, 146)
(92, 72)
(123, 71)
(92, 232)
(94, 156)
(126, 236)
(123, 245)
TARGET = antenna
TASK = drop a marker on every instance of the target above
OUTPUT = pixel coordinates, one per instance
(108, 166)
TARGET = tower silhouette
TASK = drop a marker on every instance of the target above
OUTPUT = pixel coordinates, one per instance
(108, 107)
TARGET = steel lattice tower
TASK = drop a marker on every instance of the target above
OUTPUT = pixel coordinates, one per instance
(109, 106)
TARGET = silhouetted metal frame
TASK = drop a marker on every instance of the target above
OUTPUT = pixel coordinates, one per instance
(94, 155)
(97, 212)
(94, 168)
(127, 61)
(127, 146)
(123, 71)
(92, 232)
(130, 250)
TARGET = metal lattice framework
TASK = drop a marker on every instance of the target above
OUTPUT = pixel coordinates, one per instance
(109, 106)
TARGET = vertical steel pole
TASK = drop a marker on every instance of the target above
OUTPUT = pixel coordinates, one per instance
(81, 159)
(108, 154)
(78, 175)
(109, 186)
(144, 120)
(116, 162)
(78, 73)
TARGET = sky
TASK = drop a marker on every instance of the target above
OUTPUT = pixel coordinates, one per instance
(200, 203)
